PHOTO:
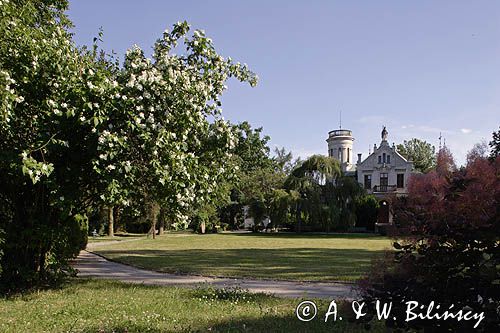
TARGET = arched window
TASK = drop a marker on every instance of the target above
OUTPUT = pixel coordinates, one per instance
(340, 154)
(379, 159)
(388, 159)
(348, 155)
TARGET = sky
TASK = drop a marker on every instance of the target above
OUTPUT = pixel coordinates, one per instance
(420, 68)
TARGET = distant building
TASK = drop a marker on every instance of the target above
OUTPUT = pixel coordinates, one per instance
(384, 173)
(340, 147)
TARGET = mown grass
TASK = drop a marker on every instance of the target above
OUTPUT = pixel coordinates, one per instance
(319, 257)
(105, 306)
(117, 237)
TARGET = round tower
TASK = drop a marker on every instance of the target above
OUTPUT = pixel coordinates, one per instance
(340, 147)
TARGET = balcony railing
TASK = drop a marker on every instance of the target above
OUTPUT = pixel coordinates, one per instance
(340, 132)
(385, 188)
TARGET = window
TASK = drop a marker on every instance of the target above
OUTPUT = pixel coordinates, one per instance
(340, 154)
(383, 159)
(348, 159)
(368, 182)
(401, 180)
(388, 159)
(380, 160)
(384, 181)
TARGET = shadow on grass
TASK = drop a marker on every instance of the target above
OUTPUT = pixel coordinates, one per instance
(300, 264)
(267, 323)
(310, 235)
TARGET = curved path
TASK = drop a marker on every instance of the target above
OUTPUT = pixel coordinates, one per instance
(89, 264)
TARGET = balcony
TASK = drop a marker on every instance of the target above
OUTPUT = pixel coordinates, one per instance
(384, 188)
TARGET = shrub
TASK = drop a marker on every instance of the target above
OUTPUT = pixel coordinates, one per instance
(451, 253)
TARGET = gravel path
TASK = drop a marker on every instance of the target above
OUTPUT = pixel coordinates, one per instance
(89, 264)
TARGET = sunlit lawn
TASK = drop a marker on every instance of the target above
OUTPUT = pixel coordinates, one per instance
(270, 256)
(105, 306)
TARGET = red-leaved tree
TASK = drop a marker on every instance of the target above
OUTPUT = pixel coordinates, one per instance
(450, 253)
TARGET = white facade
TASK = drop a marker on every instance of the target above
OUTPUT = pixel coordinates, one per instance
(340, 144)
(384, 170)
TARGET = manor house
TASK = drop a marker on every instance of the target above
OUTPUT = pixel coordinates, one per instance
(383, 173)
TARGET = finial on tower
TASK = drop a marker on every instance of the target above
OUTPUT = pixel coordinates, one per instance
(340, 120)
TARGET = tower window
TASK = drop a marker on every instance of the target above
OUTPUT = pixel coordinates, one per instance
(380, 159)
(388, 159)
(348, 153)
(384, 158)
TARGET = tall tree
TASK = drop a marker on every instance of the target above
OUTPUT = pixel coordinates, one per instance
(479, 150)
(422, 154)
(309, 180)
(78, 132)
(495, 145)
(284, 161)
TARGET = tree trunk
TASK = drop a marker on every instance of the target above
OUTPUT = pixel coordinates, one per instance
(299, 219)
(111, 224)
(153, 211)
(161, 222)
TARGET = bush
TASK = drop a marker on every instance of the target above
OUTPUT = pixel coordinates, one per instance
(451, 255)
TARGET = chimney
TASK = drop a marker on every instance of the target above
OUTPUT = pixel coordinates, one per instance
(359, 158)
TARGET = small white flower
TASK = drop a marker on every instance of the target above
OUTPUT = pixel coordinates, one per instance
(82, 118)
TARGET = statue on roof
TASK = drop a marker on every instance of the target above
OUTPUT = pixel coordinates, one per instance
(384, 134)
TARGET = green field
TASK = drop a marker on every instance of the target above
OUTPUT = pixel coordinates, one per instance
(340, 257)
(104, 306)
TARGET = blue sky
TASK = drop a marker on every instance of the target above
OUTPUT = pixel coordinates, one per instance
(418, 67)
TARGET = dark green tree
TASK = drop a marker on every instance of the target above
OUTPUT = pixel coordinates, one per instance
(495, 145)
(422, 154)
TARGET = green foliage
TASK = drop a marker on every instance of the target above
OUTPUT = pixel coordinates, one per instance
(46, 174)
(208, 217)
(366, 212)
(256, 177)
(422, 154)
(78, 131)
(317, 201)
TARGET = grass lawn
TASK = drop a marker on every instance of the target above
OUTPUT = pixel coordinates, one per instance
(341, 257)
(105, 306)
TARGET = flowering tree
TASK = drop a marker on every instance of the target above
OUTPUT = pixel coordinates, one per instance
(78, 131)
(157, 143)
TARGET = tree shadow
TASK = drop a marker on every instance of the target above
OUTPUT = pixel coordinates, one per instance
(300, 264)
(309, 235)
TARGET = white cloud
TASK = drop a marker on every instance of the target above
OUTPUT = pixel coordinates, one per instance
(466, 130)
